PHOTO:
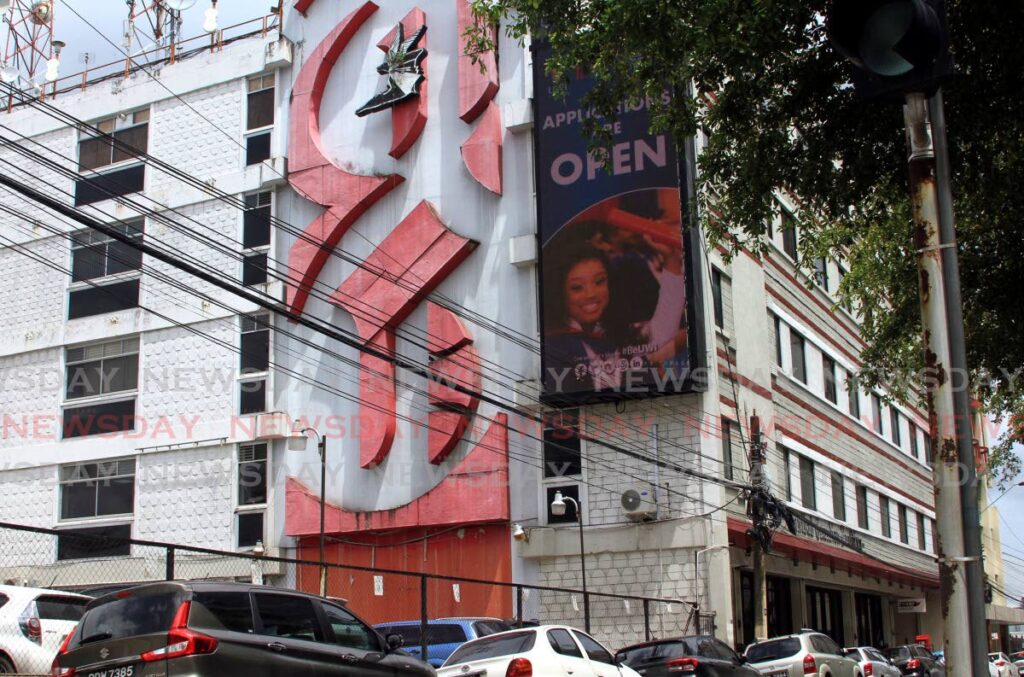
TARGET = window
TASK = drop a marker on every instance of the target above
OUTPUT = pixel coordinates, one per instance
(820, 272)
(96, 371)
(885, 516)
(797, 352)
(853, 390)
(787, 475)
(807, 484)
(254, 269)
(828, 369)
(288, 616)
(838, 497)
(727, 426)
(126, 137)
(915, 451)
(894, 420)
(595, 651)
(716, 297)
(562, 444)
(778, 339)
(252, 491)
(215, 610)
(562, 642)
(91, 542)
(94, 257)
(250, 529)
(348, 631)
(97, 489)
(568, 491)
(931, 530)
(789, 234)
(254, 363)
(259, 116)
(922, 539)
(256, 220)
(904, 525)
(863, 520)
(928, 457)
(876, 413)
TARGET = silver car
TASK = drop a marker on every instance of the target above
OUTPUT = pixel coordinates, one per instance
(872, 662)
(805, 653)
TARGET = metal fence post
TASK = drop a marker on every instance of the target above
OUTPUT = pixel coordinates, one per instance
(647, 620)
(519, 605)
(169, 565)
(423, 618)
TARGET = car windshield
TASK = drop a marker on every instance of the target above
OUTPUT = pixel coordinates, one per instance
(644, 653)
(994, 656)
(900, 653)
(484, 628)
(491, 647)
(129, 615)
(773, 649)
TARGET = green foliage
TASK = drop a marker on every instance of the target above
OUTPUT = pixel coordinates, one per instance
(782, 116)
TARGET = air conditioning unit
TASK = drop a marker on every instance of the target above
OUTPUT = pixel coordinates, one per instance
(638, 504)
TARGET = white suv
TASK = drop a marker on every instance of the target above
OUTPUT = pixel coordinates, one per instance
(807, 653)
(33, 623)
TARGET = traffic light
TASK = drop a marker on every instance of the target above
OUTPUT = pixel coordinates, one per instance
(895, 46)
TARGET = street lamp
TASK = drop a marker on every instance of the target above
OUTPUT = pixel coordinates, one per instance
(696, 567)
(297, 442)
(558, 509)
(1019, 484)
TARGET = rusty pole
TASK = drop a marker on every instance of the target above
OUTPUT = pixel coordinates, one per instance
(941, 409)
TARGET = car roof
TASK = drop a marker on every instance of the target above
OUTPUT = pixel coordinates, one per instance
(664, 640)
(195, 586)
(446, 619)
(18, 591)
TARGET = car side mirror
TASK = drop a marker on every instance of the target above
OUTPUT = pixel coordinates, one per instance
(394, 641)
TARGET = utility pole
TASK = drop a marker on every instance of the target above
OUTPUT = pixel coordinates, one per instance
(756, 512)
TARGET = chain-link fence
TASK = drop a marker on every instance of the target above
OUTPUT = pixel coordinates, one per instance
(95, 561)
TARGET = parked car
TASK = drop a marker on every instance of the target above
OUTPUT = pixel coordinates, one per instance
(33, 623)
(915, 660)
(807, 652)
(1004, 666)
(700, 655)
(1018, 659)
(444, 635)
(545, 651)
(872, 662)
(200, 628)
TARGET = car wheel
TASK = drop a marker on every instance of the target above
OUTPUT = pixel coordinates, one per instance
(6, 666)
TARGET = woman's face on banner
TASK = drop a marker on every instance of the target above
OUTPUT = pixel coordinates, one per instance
(586, 291)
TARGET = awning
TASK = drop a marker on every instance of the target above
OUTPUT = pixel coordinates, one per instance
(1004, 615)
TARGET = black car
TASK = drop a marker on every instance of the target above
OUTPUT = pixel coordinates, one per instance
(915, 660)
(701, 655)
(195, 628)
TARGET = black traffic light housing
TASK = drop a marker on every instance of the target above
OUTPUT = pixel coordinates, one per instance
(895, 46)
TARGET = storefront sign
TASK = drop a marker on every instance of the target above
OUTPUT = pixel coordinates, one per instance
(914, 605)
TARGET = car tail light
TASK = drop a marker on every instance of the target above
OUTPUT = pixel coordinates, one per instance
(181, 641)
(55, 669)
(810, 666)
(869, 670)
(686, 665)
(29, 623)
(519, 667)
(914, 664)
(1000, 664)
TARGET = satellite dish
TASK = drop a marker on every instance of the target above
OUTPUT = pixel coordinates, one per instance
(179, 5)
(9, 74)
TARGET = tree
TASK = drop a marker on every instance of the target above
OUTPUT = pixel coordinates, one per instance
(775, 101)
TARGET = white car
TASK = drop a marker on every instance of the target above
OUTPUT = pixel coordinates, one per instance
(33, 623)
(1004, 666)
(872, 662)
(545, 650)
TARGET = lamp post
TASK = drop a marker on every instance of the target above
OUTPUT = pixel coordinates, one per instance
(1018, 484)
(696, 570)
(558, 509)
(297, 442)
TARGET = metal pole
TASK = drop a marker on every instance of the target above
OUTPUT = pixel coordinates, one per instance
(519, 605)
(941, 408)
(583, 564)
(647, 620)
(973, 552)
(423, 618)
(169, 565)
(321, 446)
(758, 482)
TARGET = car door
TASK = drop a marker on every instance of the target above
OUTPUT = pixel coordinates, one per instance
(292, 636)
(357, 648)
(833, 655)
(569, 654)
(601, 660)
(58, 615)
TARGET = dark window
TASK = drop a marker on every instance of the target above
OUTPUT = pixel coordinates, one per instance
(102, 368)
(853, 390)
(842, 275)
(922, 538)
(862, 508)
(885, 516)
(95, 255)
(773, 649)
(594, 650)
(288, 616)
(914, 449)
(256, 219)
(96, 419)
(221, 611)
(838, 497)
(778, 339)
(828, 368)
(904, 525)
(104, 186)
(484, 628)
(127, 137)
(876, 413)
(727, 426)
(789, 234)
(257, 148)
(130, 614)
(807, 484)
(260, 105)
(97, 489)
(253, 397)
(716, 297)
(252, 474)
(4, 599)
(494, 646)
(931, 530)
(797, 352)
(568, 491)
(562, 642)
(645, 653)
(250, 529)
(349, 631)
(255, 343)
(104, 298)
(60, 608)
(787, 475)
(562, 444)
(820, 272)
(894, 420)
(928, 457)
(254, 269)
(111, 541)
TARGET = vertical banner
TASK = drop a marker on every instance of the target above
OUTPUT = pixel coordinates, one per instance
(613, 281)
